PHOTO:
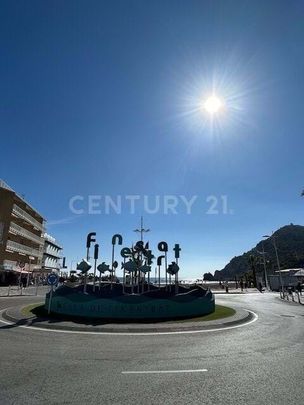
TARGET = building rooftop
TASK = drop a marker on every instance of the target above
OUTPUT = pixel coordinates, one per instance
(4, 185)
(288, 270)
(52, 240)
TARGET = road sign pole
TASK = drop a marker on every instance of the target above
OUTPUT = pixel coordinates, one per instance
(52, 279)
(50, 300)
(20, 277)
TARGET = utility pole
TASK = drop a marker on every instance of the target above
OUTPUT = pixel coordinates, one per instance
(278, 264)
(277, 259)
(263, 253)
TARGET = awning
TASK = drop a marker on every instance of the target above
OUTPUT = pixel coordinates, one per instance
(299, 273)
(21, 271)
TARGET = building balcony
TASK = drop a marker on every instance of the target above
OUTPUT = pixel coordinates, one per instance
(18, 230)
(51, 266)
(48, 251)
(25, 250)
(20, 213)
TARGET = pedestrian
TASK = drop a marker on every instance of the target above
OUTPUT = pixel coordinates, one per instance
(227, 286)
(299, 287)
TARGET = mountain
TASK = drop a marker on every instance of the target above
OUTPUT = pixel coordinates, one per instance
(290, 244)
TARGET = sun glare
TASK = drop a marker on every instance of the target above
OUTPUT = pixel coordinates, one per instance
(213, 104)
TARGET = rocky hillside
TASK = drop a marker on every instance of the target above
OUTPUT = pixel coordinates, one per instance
(290, 244)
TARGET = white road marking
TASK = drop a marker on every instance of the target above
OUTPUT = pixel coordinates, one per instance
(202, 370)
(48, 330)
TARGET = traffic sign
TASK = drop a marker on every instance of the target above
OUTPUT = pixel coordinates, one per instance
(52, 279)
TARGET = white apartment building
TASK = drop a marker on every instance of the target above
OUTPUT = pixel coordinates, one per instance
(51, 255)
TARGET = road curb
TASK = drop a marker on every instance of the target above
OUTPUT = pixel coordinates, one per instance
(15, 316)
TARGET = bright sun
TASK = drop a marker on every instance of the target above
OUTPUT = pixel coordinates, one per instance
(213, 105)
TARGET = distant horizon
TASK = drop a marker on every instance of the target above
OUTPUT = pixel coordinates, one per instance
(104, 239)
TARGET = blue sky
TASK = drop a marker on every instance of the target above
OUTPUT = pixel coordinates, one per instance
(103, 98)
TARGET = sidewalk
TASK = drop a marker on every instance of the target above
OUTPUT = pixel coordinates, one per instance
(236, 291)
(14, 291)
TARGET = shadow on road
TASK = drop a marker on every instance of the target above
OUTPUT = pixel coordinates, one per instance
(21, 322)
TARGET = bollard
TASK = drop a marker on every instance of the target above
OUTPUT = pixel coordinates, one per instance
(8, 292)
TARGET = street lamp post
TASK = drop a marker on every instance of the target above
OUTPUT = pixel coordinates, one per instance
(142, 230)
(277, 259)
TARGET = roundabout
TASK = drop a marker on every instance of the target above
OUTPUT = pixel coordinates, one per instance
(134, 297)
(34, 316)
(76, 367)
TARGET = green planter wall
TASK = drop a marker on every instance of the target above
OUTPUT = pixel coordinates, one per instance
(131, 306)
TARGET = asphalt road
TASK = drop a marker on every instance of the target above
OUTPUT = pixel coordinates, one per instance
(262, 363)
